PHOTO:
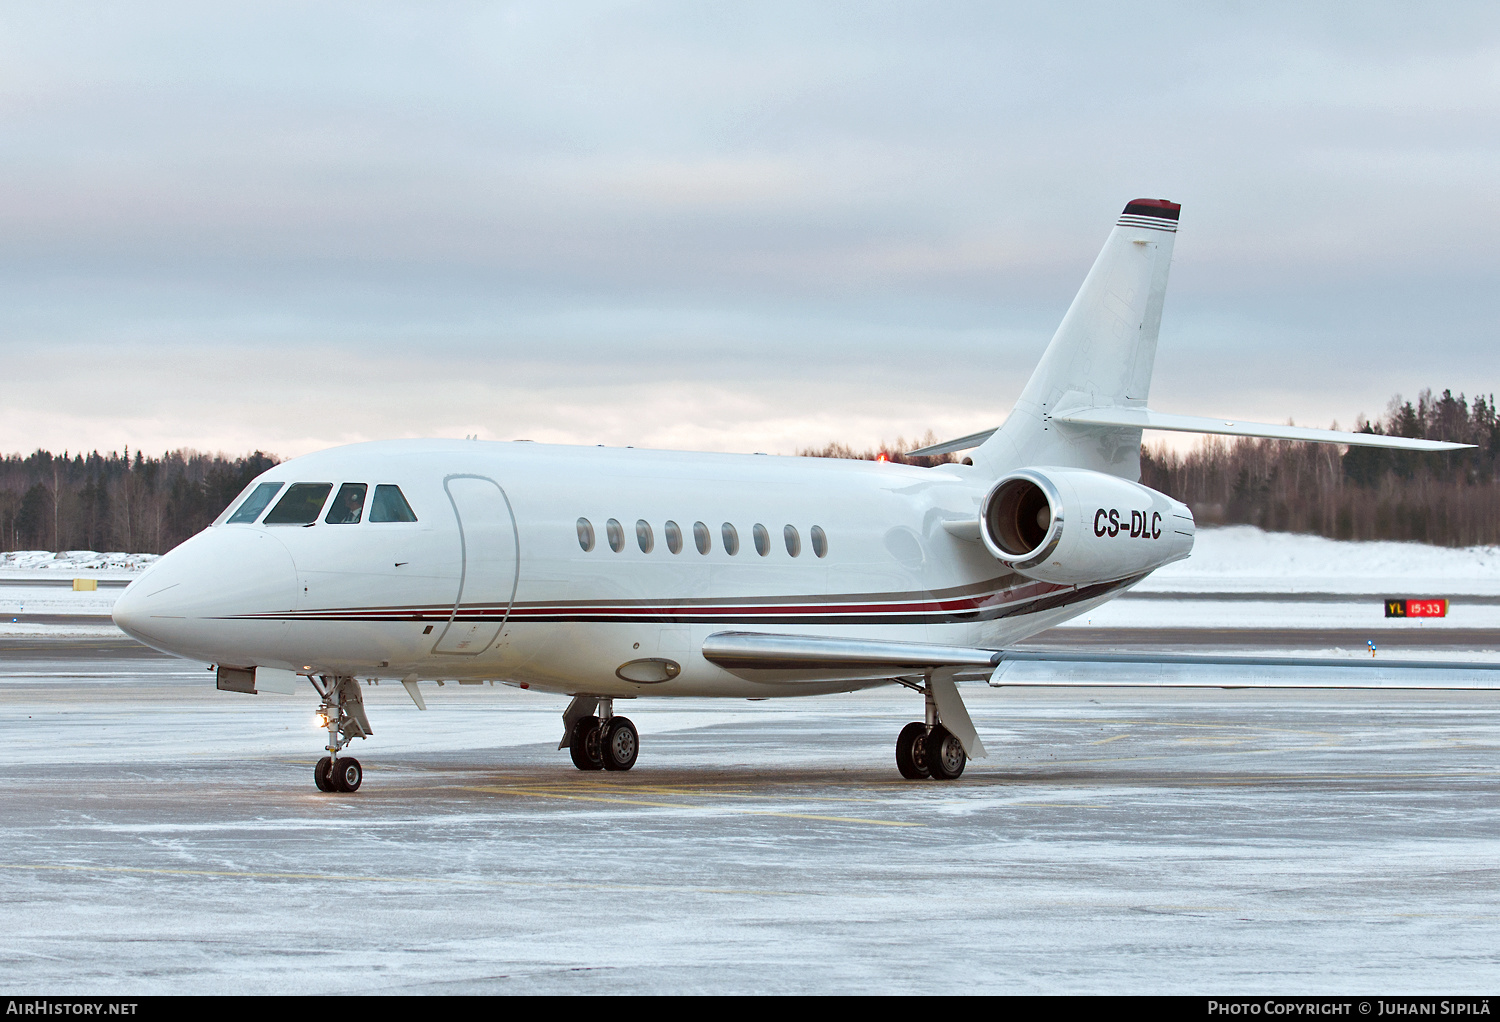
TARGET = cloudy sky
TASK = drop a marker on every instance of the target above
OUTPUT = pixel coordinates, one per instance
(750, 226)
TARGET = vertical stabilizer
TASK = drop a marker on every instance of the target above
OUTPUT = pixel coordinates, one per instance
(1101, 356)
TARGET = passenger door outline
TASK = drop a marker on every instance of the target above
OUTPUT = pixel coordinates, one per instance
(466, 638)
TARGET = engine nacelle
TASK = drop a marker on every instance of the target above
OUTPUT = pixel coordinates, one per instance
(1073, 526)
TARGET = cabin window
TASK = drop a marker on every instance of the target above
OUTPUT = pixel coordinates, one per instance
(793, 541)
(255, 503)
(615, 534)
(702, 538)
(585, 534)
(643, 536)
(819, 541)
(762, 539)
(731, 539)
(390, 506)
(674, 537)
(349, 506)
(301, 504)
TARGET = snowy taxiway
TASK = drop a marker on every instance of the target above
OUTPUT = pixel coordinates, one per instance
(161, 836)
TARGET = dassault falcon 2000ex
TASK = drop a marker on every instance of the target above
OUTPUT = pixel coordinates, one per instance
(609, 574)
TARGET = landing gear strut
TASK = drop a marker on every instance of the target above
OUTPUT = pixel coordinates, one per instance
(343, 713)
(927, 748)
(596, 738)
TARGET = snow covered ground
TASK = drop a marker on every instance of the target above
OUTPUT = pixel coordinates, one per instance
(1242, 558)
(161, 837)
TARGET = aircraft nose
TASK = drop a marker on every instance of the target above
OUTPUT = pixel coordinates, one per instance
(215, 597)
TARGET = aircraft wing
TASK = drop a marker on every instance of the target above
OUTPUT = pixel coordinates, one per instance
(1077, 669)
(790, 659)
(807, 655)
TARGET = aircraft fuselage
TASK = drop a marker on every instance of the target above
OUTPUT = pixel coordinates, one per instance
(492, 580)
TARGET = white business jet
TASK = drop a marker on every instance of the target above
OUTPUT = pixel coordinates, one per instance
(609, 574)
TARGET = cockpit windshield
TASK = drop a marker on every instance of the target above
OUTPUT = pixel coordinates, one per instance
(390, 506)
(300, 506)
(255, 503)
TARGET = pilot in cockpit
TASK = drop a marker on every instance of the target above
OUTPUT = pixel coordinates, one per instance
(348, 506)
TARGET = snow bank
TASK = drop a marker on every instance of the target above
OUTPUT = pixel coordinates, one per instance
(1242, 558)
(74, 561)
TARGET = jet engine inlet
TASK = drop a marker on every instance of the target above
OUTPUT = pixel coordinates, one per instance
(1019, 516)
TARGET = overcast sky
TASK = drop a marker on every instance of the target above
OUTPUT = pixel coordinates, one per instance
(742, 227)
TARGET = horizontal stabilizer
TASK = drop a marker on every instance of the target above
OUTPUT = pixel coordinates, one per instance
(1070, 669)
(1145, 418)
(963, 443)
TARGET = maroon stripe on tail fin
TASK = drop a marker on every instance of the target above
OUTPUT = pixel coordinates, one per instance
(1154, 207)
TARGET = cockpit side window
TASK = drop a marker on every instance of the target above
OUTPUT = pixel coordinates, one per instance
(349, 506)
(390, 506)
(254, 504)
(300, 506)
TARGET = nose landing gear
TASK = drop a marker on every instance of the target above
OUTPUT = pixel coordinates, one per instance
(596, 738)
(343, 713)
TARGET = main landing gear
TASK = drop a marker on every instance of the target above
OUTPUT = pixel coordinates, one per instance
(343, 713)
(928, 748)
(596, 738)
(923, 752)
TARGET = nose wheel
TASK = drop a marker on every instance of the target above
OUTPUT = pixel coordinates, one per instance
(342, 775)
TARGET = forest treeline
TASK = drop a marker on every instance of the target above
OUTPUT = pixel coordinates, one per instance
(115, 501)
(137, 504)
(1448, 499)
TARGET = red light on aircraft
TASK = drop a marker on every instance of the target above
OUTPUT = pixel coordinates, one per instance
(882, 456)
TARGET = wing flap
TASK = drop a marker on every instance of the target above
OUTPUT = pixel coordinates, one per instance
(741, 650)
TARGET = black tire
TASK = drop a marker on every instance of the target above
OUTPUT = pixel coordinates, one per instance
(945, 755)
(322, 774)
(911, 751)
(620, 745)
(583, 745)
(347, 775)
